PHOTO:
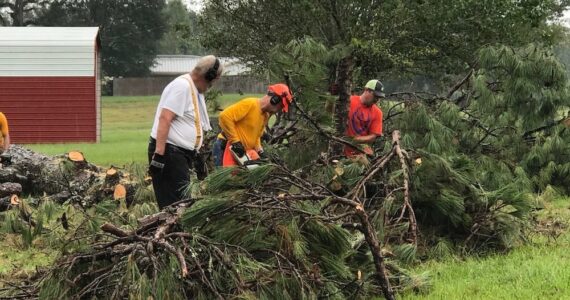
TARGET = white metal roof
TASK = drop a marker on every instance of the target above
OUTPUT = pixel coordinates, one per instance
(48, 51)
(179, 64)
(50, 36)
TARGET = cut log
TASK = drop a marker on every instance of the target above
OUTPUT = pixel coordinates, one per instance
(75, 156)
(10, 188)
(78, 159)
(120, 192)
(112, 172)
(14, 200)
(112, 176)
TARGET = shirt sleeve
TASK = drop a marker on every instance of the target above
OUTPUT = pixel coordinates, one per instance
(3, 124)
(258, 144)
(376, 126)
(230, 116)
(175, 97)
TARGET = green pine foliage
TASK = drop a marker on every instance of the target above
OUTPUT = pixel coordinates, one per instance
(473, 160)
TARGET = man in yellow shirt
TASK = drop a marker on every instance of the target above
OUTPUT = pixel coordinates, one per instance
(5, 140)
(243, 122)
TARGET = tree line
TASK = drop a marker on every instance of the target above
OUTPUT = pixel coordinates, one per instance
(132, 32)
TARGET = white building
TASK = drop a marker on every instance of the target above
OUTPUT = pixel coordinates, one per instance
(169, 65)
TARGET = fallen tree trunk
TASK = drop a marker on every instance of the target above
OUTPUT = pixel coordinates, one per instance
(10, 188)
(62, 178)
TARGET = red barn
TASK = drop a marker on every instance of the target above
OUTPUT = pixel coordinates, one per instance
(49, 83)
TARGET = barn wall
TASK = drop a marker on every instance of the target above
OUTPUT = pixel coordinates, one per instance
(49, 109)
(48, 83)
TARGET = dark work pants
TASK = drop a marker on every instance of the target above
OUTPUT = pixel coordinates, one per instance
(218, 151)
(169, 186)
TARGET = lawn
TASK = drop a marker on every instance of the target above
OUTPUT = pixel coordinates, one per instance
(126, 127)
(539, 270)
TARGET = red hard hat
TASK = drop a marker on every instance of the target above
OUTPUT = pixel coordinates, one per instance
(282, 91)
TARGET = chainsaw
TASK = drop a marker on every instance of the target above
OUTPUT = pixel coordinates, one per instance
(249, 160)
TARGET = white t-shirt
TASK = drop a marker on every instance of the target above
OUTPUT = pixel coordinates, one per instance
(177, 98)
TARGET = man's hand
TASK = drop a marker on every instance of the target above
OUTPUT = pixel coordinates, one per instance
(238, 149)
(262, 154)
(156, 165)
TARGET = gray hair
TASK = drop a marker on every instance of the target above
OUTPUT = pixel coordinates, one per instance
(205, 63)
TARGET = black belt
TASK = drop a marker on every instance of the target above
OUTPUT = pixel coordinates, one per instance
(188, 152)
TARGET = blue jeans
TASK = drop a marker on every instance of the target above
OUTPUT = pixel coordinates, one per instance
(218, 151)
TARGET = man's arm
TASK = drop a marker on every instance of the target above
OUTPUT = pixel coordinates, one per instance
(6, 141)
(375, 130)
(5, 131)
(365, 139)
(164, 122)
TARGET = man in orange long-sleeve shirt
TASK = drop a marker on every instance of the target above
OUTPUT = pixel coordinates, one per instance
(243, 122)
(5, 139)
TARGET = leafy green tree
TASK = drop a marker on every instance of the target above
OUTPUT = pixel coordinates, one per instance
(388, 36)
(481, 148)
(19, 12)
(181, 36)
(130, 30)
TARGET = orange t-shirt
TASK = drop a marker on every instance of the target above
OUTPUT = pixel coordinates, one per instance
(362, 120)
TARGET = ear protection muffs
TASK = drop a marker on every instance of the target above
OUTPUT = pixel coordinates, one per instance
(275, 99)
(212, 73)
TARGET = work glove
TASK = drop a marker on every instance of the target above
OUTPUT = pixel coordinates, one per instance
(262, 154)
(200, 167)
(238, 149)
(156, 165)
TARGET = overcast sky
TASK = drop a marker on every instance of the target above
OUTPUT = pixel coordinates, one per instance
(194, 5)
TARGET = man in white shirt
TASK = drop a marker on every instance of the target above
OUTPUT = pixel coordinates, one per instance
(178, 131)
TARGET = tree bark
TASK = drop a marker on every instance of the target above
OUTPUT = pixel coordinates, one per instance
(344, 83)
(60, 178)
(10, 188)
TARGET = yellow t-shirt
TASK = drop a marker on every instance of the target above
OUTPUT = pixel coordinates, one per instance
(244, 122)
(3, 127)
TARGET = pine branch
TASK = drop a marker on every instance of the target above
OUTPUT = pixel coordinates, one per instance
(460, 83)
(527, 134)
(407, 202)
(326, 134)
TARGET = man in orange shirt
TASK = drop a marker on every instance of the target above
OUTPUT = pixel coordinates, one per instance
(5, 139)
(365, 117)
(243, 122)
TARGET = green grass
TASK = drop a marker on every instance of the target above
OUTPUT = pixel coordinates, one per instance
(126, 125)
(19, 262)
(536, 271)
